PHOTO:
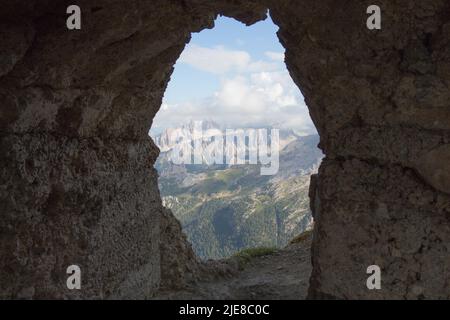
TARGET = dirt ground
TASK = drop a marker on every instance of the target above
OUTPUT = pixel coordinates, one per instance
(282, 275)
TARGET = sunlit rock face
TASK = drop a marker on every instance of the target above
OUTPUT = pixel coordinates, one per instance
(77, 183)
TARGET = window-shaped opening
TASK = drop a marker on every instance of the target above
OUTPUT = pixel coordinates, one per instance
(237, 143)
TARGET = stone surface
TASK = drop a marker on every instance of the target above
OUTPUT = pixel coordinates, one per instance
(434, 167)
(76, 180)
(179, 265)
(279, 275)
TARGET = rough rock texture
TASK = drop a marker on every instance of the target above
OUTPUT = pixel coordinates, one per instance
(279, 275)
(77, 184)
(380, 100)
(179, 265)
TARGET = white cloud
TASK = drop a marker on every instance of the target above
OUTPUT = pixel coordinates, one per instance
(216, 60)
(252, 93)
(219, 60)
(256, 100)
(260, 66)
(275, 56)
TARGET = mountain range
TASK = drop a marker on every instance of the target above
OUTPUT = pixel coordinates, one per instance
(224, 209)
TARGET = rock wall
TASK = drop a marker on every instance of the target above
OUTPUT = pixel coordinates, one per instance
(381, 102)
(77, 183)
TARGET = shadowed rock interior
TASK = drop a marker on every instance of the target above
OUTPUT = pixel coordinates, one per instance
(77, 182)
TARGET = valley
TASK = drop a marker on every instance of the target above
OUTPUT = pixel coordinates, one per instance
(224, 209)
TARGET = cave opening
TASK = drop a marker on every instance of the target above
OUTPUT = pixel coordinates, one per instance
(79, 187)
(230, 104)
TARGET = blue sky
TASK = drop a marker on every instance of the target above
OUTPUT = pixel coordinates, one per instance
(236, 76)
(229, 33)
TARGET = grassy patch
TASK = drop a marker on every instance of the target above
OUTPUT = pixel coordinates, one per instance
(228, 176)
(246, 255)
(302, 237)
(211, 186)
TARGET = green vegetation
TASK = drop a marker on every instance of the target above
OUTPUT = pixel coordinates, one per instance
(225, 209)
(245, 256)
(221, 215)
